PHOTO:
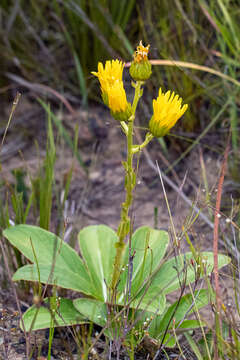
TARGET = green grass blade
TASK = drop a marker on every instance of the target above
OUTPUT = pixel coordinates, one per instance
(81, 80)
(193, 346)
(65, 135)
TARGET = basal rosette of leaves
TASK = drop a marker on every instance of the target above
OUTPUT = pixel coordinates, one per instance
(146, 278)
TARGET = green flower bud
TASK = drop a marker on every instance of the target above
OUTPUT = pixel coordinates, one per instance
(141, 68)
(140, 71)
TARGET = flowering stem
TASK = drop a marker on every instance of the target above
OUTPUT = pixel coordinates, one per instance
(137, 148)
(130, 182)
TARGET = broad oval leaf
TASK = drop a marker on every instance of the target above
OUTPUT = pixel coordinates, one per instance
(179, 311)
(172, 273)
(41, 318)
(47, 274)
(147, 303)
(97, 245)
(148, 247)
(53, 257)
(44, 247)
(94, 310)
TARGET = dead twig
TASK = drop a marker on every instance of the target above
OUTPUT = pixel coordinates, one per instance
(40, 88)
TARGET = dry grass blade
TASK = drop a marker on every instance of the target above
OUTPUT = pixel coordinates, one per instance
(14, 105)
(39, 88)
(193, 66)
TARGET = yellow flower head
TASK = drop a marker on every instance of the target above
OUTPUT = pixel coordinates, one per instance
(117, 100)
(113, 93)
(141, 54)
(167, 109)
(107, 76)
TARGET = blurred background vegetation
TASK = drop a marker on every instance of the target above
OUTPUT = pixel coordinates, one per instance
(58, 43)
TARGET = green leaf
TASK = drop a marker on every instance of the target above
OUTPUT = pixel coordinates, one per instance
(147, 303)
(148, 247)
(52, 255)
(193, 346)
(41, 318)
(178, 311)
(93, 310)
(48, 247)
(191, 324)
(97, 244)
(98, 313)
(58, 276)
(173, 271)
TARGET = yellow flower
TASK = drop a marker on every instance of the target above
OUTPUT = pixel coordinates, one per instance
(117, 100)
(167, 109)
(107, 76)
(113, 92)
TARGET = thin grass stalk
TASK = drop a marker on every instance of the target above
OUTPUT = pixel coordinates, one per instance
(46, 186)
(83, 16)
(14, 106)
(205, 182)
(215, 253)
(116, 30)
(51, 334)
(194, 346)
(64, 133)
(199, 319)
(177, 342)
(81, 80)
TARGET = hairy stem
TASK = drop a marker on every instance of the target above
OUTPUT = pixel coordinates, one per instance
(130, 182)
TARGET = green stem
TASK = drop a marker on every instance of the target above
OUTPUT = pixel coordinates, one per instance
(124, 127)
(137, 148)
(51, 333)
(130, 182)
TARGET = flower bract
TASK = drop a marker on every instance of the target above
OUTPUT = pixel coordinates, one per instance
(167, 109)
